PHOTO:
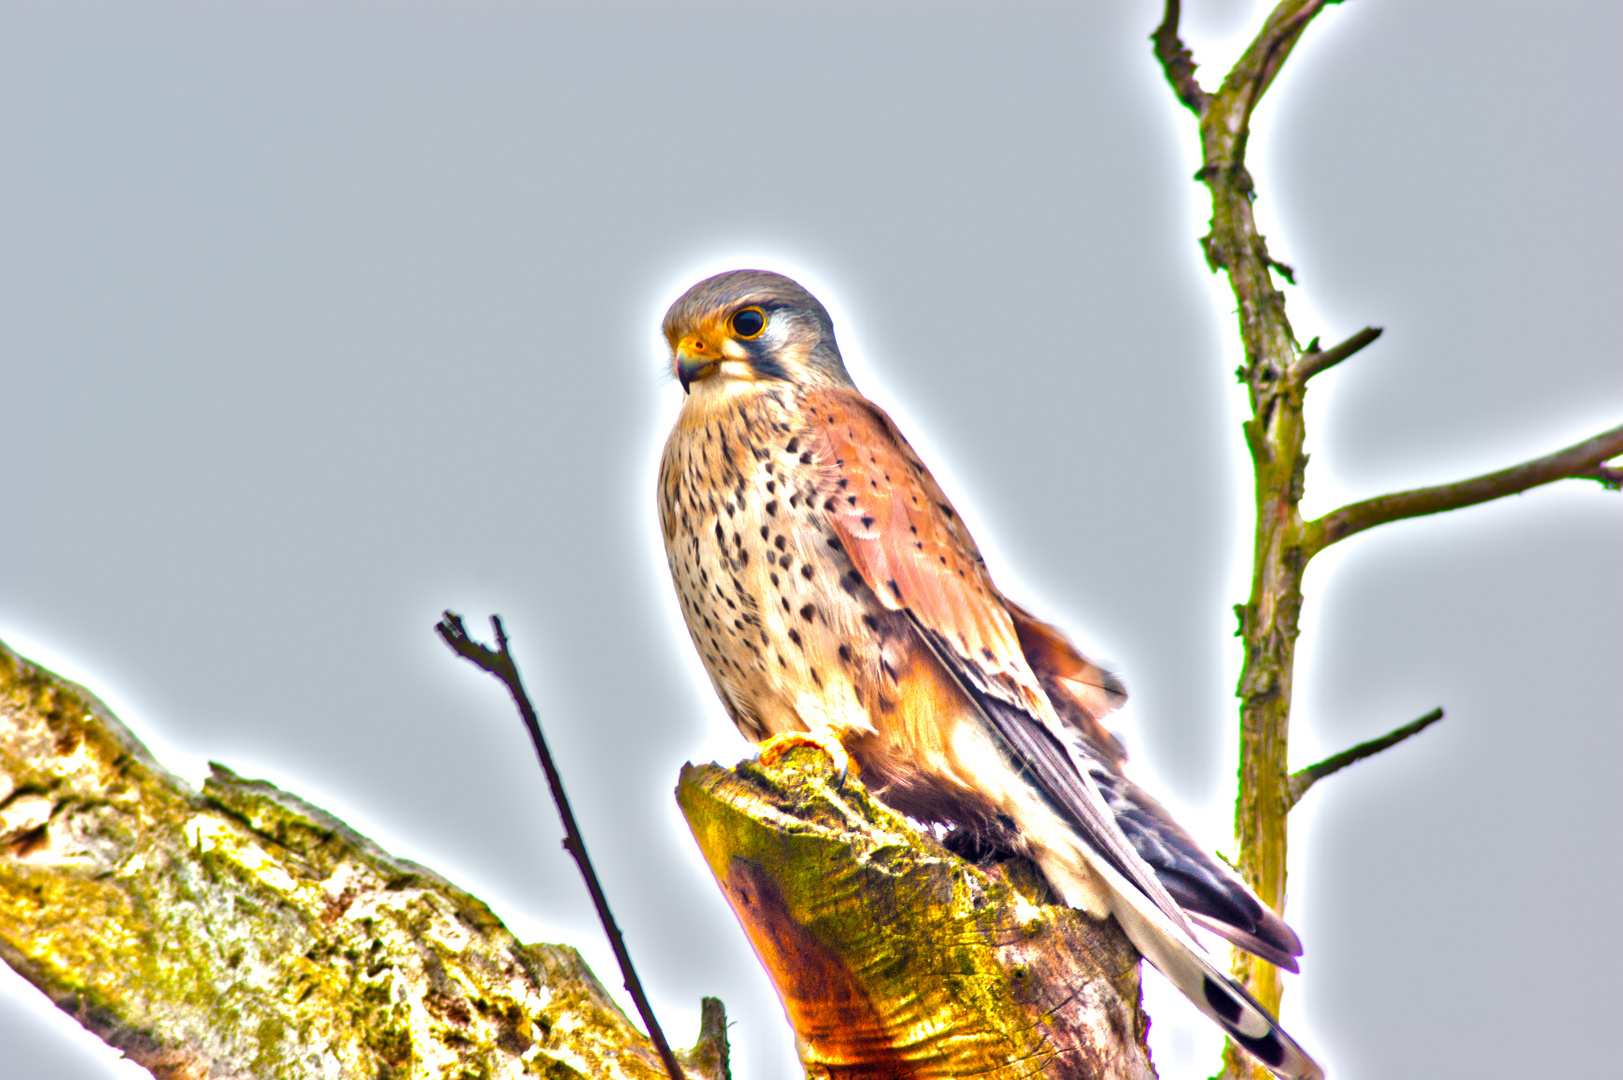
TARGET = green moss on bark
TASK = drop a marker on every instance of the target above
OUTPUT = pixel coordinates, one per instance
(241, 931)
(896, 958)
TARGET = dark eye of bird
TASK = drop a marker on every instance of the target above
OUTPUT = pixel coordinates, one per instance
(749, 322)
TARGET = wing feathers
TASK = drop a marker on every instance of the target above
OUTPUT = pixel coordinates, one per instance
(907, 541)
(1048, 765)
(1201, 884)
(1249, 942)
(1033, 688)
(1081, 691)
(910, 548)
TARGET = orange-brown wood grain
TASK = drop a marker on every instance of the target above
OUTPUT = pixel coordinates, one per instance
(893, 957)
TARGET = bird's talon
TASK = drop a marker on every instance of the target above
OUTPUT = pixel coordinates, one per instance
(773, 749)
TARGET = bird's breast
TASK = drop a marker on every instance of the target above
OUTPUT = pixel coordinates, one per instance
(769, 598)
(791, 635)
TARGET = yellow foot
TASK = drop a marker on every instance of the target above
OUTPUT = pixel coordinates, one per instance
(778, 745)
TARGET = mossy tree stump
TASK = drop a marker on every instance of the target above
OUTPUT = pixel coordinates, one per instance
(895, 958)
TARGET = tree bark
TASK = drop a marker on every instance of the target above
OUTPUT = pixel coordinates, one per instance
(1276, 374)
(1274, 436)
(240, 932)
(894, 957)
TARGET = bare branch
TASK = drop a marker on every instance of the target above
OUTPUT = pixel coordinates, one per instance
(1274, 434)
(1303, 779)
(499, 662)
(1178, 62)
(1314, 361)
(1254, 72)
(1581, 460)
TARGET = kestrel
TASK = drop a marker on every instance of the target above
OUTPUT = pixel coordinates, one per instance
(831, 589)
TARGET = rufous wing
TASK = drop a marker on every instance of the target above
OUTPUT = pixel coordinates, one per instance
(913, 551)
(908, 543)
(1081, 691)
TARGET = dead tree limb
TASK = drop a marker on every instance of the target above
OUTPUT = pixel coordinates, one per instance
(241, 932)
(895, 958)
(1276, 373)
(1274, 436)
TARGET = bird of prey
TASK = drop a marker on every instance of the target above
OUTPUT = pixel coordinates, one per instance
(832, 590)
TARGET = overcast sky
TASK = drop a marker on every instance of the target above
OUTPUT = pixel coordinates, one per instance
(317, 319)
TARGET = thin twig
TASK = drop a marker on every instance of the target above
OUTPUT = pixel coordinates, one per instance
(1313, 362)
(499, 662)
(1581, 459)
(1303, 779)
(1607, 476)
(1177, 61)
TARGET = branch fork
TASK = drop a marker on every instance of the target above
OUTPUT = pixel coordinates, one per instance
(1276, 373)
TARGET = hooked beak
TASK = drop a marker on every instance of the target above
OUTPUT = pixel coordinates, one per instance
(694, 362)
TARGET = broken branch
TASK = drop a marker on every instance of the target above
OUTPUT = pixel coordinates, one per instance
(1314, 361)
(1581, 460)
(1303, 779)
(499, 662)
(1178, 62)
(895, 958)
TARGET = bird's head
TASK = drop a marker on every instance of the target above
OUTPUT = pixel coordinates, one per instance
(752, 326)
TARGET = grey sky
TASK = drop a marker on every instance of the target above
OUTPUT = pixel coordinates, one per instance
(315, 320)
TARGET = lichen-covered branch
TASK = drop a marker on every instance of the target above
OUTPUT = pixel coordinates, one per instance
(241, 932)
(1582, 460)
(1302, 779)
(894, 957)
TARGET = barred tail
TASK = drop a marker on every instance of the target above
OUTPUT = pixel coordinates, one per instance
(1186, 965)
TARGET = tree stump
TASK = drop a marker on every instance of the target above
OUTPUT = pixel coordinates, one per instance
(897, 959)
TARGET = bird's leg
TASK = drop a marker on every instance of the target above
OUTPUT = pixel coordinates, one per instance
(778, 745)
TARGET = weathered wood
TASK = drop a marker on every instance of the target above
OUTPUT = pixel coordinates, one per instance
(895, 958)
(241, 932)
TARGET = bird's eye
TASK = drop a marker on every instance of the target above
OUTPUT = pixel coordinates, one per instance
(749, 322)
